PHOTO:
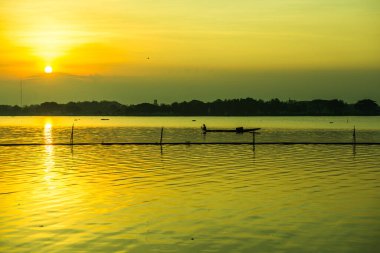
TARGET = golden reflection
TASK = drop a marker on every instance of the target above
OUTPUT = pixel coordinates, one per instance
(49, 153)
(48, 137)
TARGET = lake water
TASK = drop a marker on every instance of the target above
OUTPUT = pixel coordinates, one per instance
(189, 198)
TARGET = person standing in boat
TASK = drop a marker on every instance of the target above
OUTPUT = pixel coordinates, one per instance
(204, 128)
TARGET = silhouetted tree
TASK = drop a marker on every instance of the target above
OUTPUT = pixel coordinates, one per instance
(227, 107)
(366, 107)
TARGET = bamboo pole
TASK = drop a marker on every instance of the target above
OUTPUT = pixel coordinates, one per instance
(72, 135)
(162, 132)
(254, 140)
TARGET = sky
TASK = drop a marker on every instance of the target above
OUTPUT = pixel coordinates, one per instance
(138, 51)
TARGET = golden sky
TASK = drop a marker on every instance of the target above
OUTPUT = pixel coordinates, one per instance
(115, 37)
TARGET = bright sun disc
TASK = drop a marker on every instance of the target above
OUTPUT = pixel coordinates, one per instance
(48, 69)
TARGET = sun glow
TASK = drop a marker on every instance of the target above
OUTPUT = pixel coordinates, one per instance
(48, 133)
(48, 70)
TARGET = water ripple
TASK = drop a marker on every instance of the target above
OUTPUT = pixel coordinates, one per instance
(189, 198)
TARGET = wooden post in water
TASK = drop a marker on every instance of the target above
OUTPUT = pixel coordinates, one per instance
(253, 139)
(72, 135)
(162, 132)
(354, 141)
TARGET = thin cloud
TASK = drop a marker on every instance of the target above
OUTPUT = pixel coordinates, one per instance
(59, 75)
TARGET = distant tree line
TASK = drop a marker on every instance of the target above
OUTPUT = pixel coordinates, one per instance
(227, 107)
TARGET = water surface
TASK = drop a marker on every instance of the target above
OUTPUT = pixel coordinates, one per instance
(182, 129)
(222, 198)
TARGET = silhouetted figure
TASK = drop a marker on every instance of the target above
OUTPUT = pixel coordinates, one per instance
(204, 129)
(239, 130)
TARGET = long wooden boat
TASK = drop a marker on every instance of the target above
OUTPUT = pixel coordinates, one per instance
(237, 130)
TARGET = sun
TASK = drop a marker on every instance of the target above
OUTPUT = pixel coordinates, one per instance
(48, 70)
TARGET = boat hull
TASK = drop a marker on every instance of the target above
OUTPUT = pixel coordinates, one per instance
(237, 130)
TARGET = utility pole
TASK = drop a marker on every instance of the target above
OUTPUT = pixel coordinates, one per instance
(21, 93)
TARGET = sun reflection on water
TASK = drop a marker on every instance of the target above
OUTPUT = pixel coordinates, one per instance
(49, 153)
(48, 136)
